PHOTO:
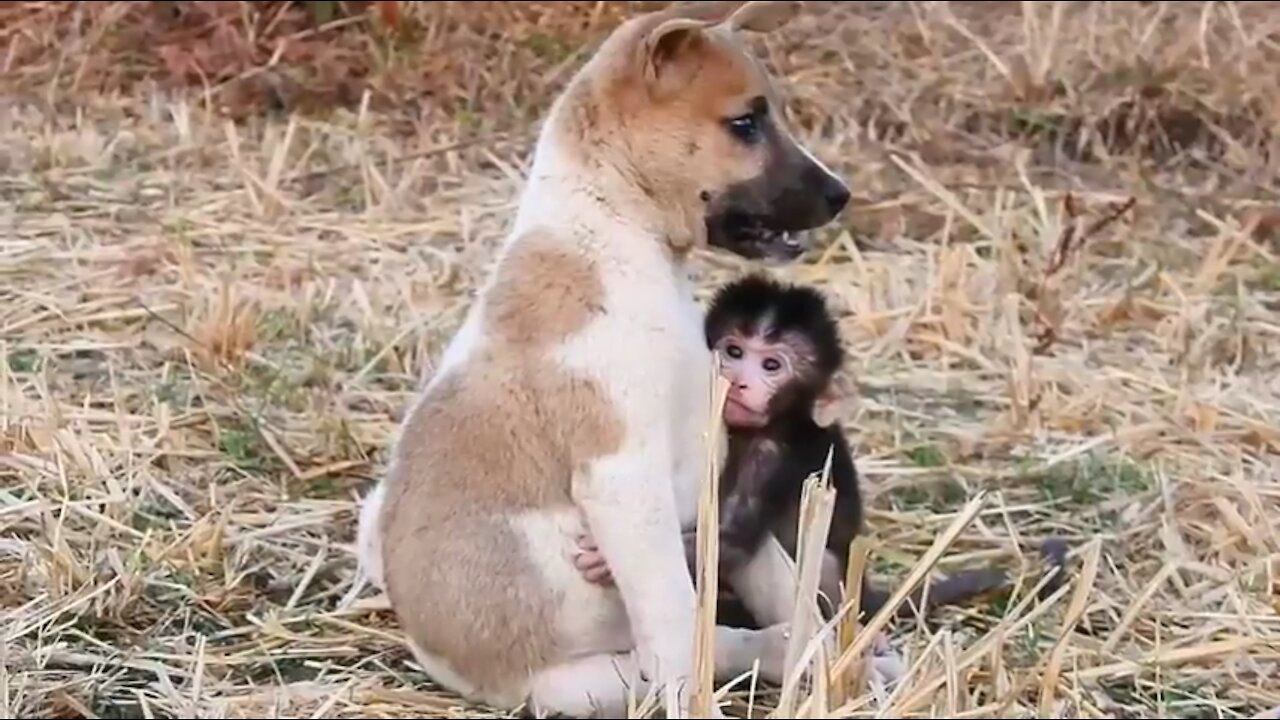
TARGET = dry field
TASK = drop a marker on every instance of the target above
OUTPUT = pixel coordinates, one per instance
(236, 235)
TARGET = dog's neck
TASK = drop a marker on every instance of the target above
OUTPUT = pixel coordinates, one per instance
(575, 180)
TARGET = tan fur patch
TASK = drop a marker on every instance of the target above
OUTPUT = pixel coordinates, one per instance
(677, 116)
(544, 292)
(763, 16)
(499, 435)
(716, 79)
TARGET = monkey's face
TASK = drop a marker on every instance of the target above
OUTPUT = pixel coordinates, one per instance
(759, 372)
(779, 346)
(704, 132)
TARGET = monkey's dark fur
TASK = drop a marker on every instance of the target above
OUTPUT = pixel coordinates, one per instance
(744, 304)
(766, 467)
(762, 481)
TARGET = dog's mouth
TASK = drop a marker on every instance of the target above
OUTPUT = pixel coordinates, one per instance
(755, 238)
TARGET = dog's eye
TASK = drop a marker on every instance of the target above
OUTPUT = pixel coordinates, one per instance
(745, 127)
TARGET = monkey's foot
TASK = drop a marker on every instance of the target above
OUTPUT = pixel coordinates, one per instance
(772, 651)
(591, 563)
(887, 666)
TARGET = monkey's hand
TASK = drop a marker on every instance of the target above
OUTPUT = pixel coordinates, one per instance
(732, 556)
(742, 530)
(591, 563)
(743, 515)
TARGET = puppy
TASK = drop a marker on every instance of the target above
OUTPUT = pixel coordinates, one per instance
(574, 397)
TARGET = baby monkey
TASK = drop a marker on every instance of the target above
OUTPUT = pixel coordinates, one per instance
(780, 350)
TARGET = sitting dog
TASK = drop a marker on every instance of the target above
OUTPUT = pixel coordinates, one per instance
(574, 398)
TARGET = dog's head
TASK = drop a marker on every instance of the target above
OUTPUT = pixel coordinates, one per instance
(700, 128)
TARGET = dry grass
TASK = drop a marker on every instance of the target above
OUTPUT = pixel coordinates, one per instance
(209, 331)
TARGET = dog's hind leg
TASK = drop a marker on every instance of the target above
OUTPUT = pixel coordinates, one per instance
(595, 686)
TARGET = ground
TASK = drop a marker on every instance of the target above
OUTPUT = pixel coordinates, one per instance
(237, 235)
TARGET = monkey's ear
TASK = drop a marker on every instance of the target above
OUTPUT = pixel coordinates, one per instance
(833, 401)
(827, 409)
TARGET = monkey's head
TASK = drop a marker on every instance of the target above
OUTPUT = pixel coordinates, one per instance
(694, 121)
(779, 348)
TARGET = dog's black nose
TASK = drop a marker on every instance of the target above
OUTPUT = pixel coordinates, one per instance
(837, 196)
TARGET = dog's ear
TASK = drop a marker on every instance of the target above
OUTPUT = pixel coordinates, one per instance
(665, 51)
(710, 11)
(763, 17)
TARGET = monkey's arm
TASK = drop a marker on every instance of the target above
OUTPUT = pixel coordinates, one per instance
(743, 520)
(846, 524)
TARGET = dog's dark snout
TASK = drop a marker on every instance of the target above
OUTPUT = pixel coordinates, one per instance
(836, 195)
(827, 193)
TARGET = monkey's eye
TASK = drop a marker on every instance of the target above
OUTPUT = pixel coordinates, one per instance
(771, 365)
(733, 351)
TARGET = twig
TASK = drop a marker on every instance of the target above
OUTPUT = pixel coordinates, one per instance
(708, 565)
(1067, 243)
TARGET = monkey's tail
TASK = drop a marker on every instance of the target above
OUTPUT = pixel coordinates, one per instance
(965, 585)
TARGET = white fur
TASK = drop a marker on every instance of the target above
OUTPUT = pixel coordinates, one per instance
(590, 615)
(646, 350)
(369, 538)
